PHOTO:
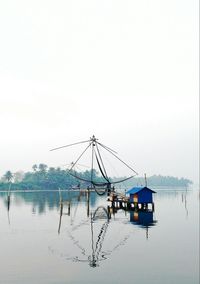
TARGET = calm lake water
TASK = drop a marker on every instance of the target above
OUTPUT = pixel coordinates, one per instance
(82, 245)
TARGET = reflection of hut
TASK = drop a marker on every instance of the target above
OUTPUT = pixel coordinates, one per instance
(141, 195)
(142, 218)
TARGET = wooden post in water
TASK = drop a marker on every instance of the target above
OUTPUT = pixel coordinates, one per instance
(8, 202)
(69, 205)
(8, 197)
(60, 196)
(61, 213)
(88, 202)
(109, 214)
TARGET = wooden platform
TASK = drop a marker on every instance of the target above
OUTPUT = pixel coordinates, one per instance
(121, 201)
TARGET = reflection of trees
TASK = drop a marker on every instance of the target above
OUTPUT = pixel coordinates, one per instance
(170, 193)
(42, 201)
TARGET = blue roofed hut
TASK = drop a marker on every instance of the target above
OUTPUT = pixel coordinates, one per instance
(140, 195)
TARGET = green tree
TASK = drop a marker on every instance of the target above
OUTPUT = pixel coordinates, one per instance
(8, 176)
(34, 167)
(18, 176)
(42, 168)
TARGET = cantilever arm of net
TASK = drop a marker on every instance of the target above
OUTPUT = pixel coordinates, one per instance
(70, 145)
(80, 156)
(106, 147)
(122, 162)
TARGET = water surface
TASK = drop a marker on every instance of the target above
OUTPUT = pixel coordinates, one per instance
(39, 243)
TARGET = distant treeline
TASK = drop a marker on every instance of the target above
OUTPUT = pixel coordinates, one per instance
(160, 181)
(50, 178)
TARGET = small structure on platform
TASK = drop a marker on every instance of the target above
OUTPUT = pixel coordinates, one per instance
(140, 195)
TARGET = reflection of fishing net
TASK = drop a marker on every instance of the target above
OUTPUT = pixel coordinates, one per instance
(92, 240)
(100, 214)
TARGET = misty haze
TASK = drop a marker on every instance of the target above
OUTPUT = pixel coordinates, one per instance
(99, 114)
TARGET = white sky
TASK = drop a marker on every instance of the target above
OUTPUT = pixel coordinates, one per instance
(126, 71)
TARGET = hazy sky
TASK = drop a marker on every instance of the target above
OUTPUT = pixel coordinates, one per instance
(126, 71)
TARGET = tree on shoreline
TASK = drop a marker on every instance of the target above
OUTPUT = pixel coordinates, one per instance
(34, 167)
(52, 178)
(8, 176)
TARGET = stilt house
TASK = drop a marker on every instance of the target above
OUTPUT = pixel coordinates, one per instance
(140, 195)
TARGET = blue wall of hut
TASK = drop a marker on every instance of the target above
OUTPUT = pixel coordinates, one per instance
(144, 196)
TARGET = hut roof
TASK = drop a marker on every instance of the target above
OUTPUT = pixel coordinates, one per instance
(137, 189)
